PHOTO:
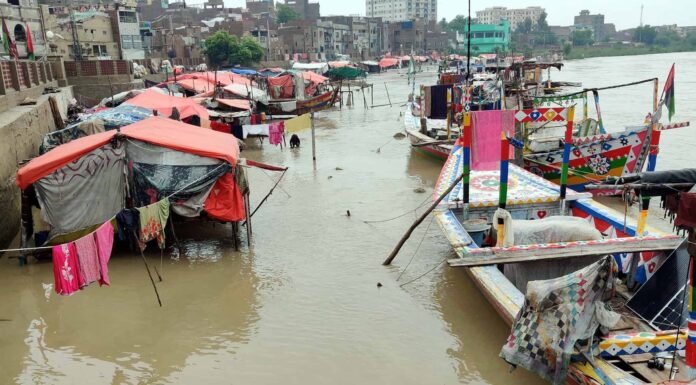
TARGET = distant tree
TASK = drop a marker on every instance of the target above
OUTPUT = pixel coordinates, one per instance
(691, 39)
(443, 24)
(284, 14)
(525, 27)
(582, 37)
(225, 49)
(567, 47)
(667, 38)
(645, 34)
(459, 23)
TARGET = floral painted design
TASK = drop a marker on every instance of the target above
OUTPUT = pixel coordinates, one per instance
(65, 269)
(599, 164)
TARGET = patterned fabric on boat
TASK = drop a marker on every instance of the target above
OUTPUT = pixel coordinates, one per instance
(556, 314)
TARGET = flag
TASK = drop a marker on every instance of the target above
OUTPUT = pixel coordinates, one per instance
(668, 93)
(30, 43)
(10, 46)
(299, 123)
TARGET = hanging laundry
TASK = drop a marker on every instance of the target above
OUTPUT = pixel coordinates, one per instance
(255, 129)
(299, 123)
(220, 126)
(88, 259)
(275, 133)
(128, 222)
(66, 271)
(438, 102)
(105, 240)
(485, 139)
(153, 219)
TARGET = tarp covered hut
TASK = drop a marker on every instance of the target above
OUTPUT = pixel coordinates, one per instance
(86, 182)
(164, 104)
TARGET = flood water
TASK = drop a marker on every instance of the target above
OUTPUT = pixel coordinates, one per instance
(302, 305)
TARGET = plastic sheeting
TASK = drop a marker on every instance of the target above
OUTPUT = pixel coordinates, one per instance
(548, 230)
(556, 314)
(120, 116)
(72, 132)
(281, 87)
(85, 192)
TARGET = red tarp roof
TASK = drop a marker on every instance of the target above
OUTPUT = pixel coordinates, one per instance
(155, 130)
(197, 85)
(224, 78)
(163, 104)
(388, 62)
(314, 77)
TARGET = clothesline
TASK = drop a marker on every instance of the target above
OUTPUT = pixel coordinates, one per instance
(113, 217)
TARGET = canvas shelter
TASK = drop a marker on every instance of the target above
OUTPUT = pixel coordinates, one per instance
(164, 104)
(87, 181)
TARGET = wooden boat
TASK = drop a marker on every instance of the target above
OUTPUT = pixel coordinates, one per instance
(531, 197)
(317, 103)
(439, 148)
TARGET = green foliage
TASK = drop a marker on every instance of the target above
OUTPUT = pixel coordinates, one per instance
(582, 37)
(284, 14)
(567, 48)
(525, 27)
(645, 34)
(530, 33)
(459, 23)
(225, 49)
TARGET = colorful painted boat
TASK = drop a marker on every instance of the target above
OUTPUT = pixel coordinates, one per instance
(423, 142)
(317, 103)
(533, 197)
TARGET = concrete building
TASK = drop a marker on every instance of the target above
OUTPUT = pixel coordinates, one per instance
(406, 37)
(81, 35)
(260, 7)
(402, 10)
(494, 15)
(489, 38)
(305, 9)
(595, 23)
(126, 26)
(20, 15)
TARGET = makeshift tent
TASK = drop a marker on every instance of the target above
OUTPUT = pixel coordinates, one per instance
(313, 77)
(223, 77)
(164, 104)
(339, 64)
(388, 62)
(247, 92)
(82, 183)
(319, 68)
(196, 85)
(120, 116)
(343, 73)
(281, 87)
(241, 104)
(70, 133)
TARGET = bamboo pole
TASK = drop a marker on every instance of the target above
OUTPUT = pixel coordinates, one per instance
(466, 161)
(502, 193)
(600, 123)
(388, 98)
(418, 221)
(566, 156)
(655, 139)
(449, 112)
(147, 267)
(314, 152)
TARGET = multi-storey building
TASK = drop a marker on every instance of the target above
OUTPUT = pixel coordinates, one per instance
(305, 9)
(494, 15)
(402, 10)
(20, 15)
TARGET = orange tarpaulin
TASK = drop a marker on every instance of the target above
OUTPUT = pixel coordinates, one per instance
(314, 77)
(225, 201)
(224, 78)
(155, 130)
(388, 62)
(196, 85)
(283, 84)
(164, 104)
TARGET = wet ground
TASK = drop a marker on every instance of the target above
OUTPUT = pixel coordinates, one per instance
(302, 304)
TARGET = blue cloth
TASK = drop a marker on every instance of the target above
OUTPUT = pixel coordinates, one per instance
(243, 71)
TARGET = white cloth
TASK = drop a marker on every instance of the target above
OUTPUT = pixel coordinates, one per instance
(255, 129)
(288, 106)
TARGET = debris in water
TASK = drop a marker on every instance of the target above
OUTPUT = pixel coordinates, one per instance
(339, 169)
(347, 212)
(379, 284)
(399, 135)
(419, 190)
(329, 177)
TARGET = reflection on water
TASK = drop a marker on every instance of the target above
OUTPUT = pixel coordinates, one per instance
(301, 305)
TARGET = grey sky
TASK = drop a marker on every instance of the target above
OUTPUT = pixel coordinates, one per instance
(623, 13)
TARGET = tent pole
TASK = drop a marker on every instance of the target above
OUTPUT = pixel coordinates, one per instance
(147, 267)
(248, 218)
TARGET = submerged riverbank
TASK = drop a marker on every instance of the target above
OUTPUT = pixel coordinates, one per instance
(592, 52)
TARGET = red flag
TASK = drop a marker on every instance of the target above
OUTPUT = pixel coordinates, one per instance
(30, 43)
(10, 46)
(668, 93)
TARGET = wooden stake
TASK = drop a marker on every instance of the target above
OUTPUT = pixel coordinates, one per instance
(314, 153)
(149, 274)
(418, 221)
(388, 98)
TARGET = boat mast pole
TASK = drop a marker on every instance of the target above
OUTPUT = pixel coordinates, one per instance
(466, 130)
(502, 198)
(600, 123)
(655, 140)
(566, 156)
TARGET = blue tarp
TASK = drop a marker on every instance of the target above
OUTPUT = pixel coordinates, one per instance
(121, 116)
(243, 71)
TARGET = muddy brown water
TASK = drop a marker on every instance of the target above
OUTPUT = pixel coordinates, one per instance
(301, 305)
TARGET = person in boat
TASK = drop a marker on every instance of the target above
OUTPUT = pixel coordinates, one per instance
(416, 106)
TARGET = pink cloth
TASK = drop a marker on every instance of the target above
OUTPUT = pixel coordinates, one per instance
(485, 139)
(275, 133)
(88, 259)
(66, 271)
(105, 241)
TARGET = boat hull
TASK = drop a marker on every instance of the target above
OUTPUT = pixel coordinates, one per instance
(317, 103)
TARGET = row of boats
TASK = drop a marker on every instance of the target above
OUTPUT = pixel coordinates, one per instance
(593, 296)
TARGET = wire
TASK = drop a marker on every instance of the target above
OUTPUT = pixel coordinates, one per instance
(417, 248)
(402, 215)
(424, 274)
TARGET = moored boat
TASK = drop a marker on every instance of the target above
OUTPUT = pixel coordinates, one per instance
(549, 247)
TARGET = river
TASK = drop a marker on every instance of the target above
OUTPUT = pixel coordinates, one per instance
(302, 305)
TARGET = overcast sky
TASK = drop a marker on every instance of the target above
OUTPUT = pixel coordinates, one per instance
(623, 13)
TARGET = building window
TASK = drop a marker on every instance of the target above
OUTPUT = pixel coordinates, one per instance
(99, 50)
(126, 42)
(19, 33)
(127, 17)
(137, 42)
